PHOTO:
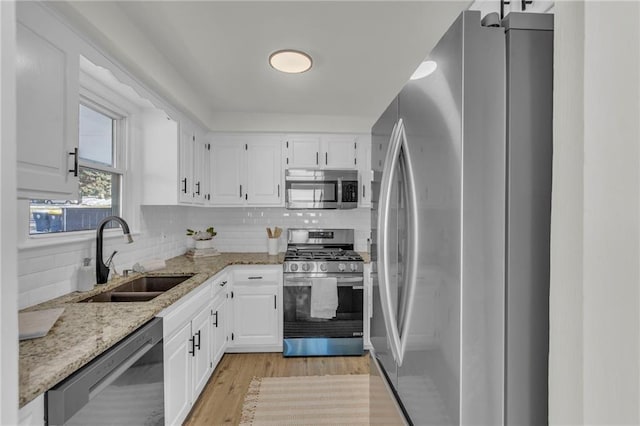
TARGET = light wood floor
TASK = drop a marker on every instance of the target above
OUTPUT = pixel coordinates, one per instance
(221, 401)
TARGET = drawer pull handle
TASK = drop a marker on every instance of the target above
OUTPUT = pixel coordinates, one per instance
(255, 278)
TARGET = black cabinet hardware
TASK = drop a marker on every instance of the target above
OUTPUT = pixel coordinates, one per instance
(192, 351)
(326, 158)
(75, 162)
(184, 185)
(198, 344)
(255, 278)
(216, 323)
(275, 301)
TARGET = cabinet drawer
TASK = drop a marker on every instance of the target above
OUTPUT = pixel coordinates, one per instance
(185, 309)
(258, 275)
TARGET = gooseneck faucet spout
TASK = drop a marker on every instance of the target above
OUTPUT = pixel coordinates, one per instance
(102, 270)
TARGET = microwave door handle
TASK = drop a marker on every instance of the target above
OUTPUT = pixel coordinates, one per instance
(339, 200)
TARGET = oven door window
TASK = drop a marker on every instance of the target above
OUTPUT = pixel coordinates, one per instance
(313, 192)
(298, 321)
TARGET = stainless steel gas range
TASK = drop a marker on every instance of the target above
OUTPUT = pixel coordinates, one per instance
(323, 294)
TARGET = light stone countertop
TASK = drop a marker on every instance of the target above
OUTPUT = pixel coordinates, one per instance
(85, 330)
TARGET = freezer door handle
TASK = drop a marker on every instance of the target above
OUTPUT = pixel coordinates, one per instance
(398, 151)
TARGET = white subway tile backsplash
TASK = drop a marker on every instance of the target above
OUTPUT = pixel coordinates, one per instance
(48, 272)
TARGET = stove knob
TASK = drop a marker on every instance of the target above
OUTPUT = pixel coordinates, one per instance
(323, 267)
(306, 267)
(342, 267)
(294, 267)
(353, 267)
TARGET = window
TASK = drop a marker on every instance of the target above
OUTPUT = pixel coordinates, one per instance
(100, 175)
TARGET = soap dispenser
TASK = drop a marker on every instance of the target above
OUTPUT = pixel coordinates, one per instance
(86, 275)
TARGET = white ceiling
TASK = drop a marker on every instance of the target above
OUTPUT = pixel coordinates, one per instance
(210, 57)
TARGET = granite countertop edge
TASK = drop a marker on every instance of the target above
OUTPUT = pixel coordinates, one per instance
(85, 330)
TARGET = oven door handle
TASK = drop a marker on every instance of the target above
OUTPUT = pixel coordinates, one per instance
(306, 282)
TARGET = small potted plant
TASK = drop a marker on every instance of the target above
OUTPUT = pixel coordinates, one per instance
(203, 239)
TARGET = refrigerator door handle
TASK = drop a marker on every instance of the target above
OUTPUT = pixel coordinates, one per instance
(398, 338)
(383, 245)
(411, 266)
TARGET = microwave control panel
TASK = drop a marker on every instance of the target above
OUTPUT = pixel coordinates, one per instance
(350, 192)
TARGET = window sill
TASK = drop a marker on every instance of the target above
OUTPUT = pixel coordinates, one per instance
(40, 241)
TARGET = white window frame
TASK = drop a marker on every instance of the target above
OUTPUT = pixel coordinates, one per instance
(105, 100)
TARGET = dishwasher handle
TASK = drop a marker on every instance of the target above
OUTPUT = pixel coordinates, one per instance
(68, 397)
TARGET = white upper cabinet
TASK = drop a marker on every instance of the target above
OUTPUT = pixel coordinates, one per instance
(364, 170)
(227, 171)
(162, 179)
(321, 151)
(303, 152)
(187, 147)
(47, 77)
(194, 167)
(339, 152)
(247, 170)
(175, 161)
(264, 172)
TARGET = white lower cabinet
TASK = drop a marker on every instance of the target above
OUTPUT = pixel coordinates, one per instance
(201, 351)
(256, 300)
(32, 414)
(187, 352)
(218, 327)
(177, 376)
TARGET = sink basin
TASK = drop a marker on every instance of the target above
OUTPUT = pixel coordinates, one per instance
(141, 289)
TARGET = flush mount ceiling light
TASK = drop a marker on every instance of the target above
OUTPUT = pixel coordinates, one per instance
(290, 61)
(423, 70)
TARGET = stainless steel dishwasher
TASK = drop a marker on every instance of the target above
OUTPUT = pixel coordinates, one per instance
(123, 386)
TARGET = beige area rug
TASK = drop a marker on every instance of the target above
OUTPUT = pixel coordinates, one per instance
(308, 400)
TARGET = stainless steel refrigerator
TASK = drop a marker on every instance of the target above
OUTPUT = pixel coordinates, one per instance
(460, 228)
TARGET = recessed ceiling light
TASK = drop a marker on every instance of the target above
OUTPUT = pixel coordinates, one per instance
(290, 61)
(423, 70)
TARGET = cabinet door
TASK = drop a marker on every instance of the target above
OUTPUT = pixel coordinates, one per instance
(218, 327)
(206, 173)
(364, 171)
(339, 152)
(199, 158)
(255, 314)
(47, 90)
(202, 365)
(227, 170)
(161, 145)
(177, 376)
(186, 184)
(264, 173)
(303, 151)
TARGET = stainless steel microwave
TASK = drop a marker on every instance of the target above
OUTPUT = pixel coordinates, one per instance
(321, 189)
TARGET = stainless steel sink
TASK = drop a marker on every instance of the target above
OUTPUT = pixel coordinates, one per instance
(140, 289)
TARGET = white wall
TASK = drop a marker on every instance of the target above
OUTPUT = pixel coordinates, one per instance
(595, 297)
(611, 220)
(565, 305)
(8, 282)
